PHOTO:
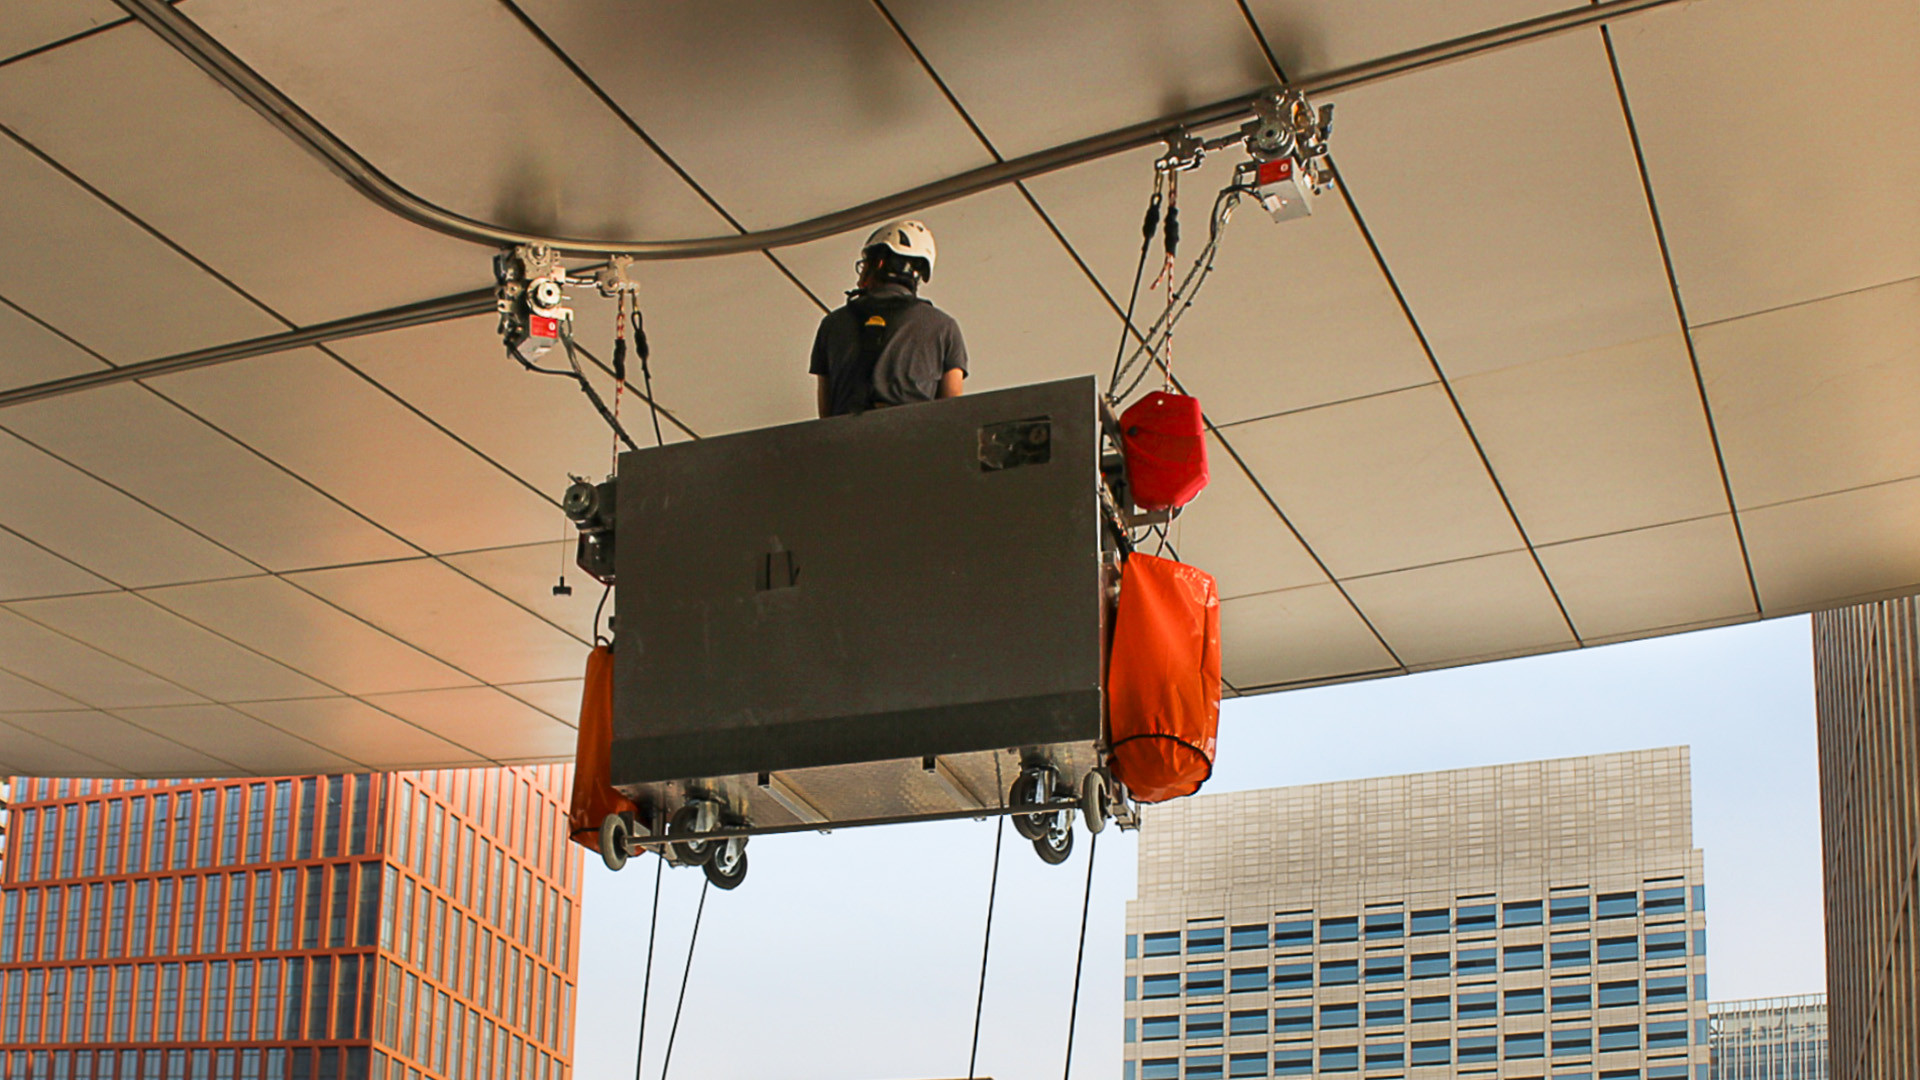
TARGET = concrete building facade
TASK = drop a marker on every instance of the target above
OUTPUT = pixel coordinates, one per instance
(1867, 693)
(1782, 1038)
(387, 926)
(1534, 920)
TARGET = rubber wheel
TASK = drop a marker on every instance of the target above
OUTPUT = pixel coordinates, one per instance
(727, 865)
(1096, 800)
(613, 841)
(1028, 790)
(688, 852)
(1056, 844)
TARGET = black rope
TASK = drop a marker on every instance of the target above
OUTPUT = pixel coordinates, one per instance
(641, 350)
(1147, 228)
(653, 927)
(597, 609)
(1086, 905)
(986, 943)
(586, 387)
(691, 942)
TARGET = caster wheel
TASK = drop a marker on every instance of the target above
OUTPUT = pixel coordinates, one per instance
(1031, 789)
(613, 841)
(727, 865)
(1096, 800)
(1056, 843)
(689, 819)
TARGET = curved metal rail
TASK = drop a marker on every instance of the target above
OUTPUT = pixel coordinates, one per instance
(176, 29)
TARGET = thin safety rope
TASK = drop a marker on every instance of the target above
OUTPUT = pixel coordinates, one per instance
(1147, 228)
(1086, 905)
(986, 943)
(691, 942)
(653, 927)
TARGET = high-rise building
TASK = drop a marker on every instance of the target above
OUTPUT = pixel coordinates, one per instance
(391, 927)
(1782, 1038)
(1535, 920)
(1866, 668)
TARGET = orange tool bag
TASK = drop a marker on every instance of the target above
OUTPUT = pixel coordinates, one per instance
(1163, 678)
(593, 794)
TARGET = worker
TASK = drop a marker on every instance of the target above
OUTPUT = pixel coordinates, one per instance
(887, 346)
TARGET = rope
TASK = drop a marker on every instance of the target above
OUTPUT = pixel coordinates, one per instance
(1147, 228)
(1086, 905)
(986, 943)
(653, 926)
(691, 942)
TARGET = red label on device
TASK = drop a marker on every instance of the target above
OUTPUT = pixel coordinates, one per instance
(542, 326)
(1274, 171)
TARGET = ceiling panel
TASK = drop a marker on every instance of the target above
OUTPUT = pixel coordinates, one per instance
(29, 754)
(451, 617)
(299, 629)
(35, 354)
(19, 695)
(1293, 316)
(1231, 532)
(1504, 195)
(31, 24)
(63, 509)
(485, 121)
(147, 447)
(122, 745)
(485, 721)
(1379, 484)
(1312, 37)
(237, 739)
(1299, 635)
(1743, 238)
(1038, 75)
(1822, 552)
(1817, 397)
(28, 570)
(154, 302)
(149, 637)
(1598, 442)
(359, 732)
(337, 430)
(81, 673)
(117, 107)
(1458, 612)
(558, 698)
(822, 105)
(1686, 574)
(527, 574)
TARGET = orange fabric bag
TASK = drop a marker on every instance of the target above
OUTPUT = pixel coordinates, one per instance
(1163, 678)
(593, 795)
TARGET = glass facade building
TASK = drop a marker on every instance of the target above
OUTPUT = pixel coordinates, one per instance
(1537, 920)
(1769, 1038)
(386, 926)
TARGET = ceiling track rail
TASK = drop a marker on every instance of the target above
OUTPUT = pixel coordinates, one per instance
(181, 32)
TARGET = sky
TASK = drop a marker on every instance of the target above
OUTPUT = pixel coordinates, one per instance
(856, 955)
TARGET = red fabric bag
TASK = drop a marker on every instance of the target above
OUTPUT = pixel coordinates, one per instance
(1163, 678)
(1164, 438)
(593, 794)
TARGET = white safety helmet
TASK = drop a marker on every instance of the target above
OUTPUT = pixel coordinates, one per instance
(904, 237)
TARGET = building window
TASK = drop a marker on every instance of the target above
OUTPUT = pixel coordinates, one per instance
(1339, 1059)
(1530, 1000)
(1293, 1018)
(1575, 997)
(1249, 937)
(1156, 1028)
(1211, 939)
(1203, 1067)
(1521, 913)
(1428, 1009)
(1667, 944)
(1384, 924)
(1160, 1069)
(1432, 965)
(1160, 986)
(1699, 898)
(1618, 905)
(1665, 989)
(1386, 1055)
(1436, 921)
(1162, 944)
(1247, 1065)
(1619, 949)
(1386, 1012)
(1292, 976)
(1662, 1034)
(1475, 960)
(1247, 980)
(1293, 1060)
(1204, 1025)
(1668, 901)
(1344, 1015)
(1386, 968)
(1347, 929)
(1474, 917)
(1613, 994)
(1479, 1006)
(1339, 972)
(1204, 981)
(1248, 1022)
(1575, 953)
(1133, 946)
(1290, 934)
(1524, 957)
(1475, 1049)
(1572, 1042)
(1700, 942)
(1570, 909)
(1620, 1037)
(1667, 1072)
(1432, 1052)
(1530, 1044)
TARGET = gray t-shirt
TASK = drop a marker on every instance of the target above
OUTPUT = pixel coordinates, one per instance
(921, 344)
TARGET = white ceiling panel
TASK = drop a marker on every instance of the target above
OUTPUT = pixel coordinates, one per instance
(481, 118)
(1817, 397)
(28, 753)
(32, 353)
(485, 721)
(1312, 37)
(1746, 236)
(558, 698)
(31, 24)
(81, 673)
(1504, 195)
(1379, 484)
(1294, 315)
(154, 302)
(63, 509)
(1299, 635)
(269, 615)
(239, 740)
(357, 731)
(1822, 552)
(1231, 532)
(1598, 442)
(116, 109)
(143, 445)
(28, 570)
(1685, 574)
(453, 618)
(129, 628)
(1038, 75)
(19, 695)
(526, 575)
(1460, 612)
(122, 745)
(823, 105)
(336, 430)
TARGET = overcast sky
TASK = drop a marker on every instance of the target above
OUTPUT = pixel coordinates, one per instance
(855, 956)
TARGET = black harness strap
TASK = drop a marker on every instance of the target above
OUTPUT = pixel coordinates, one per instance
(877, 325)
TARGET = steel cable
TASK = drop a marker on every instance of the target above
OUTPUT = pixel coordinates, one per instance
(653, 932)
(685, 974)
(1080, 961)
(986, 943)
